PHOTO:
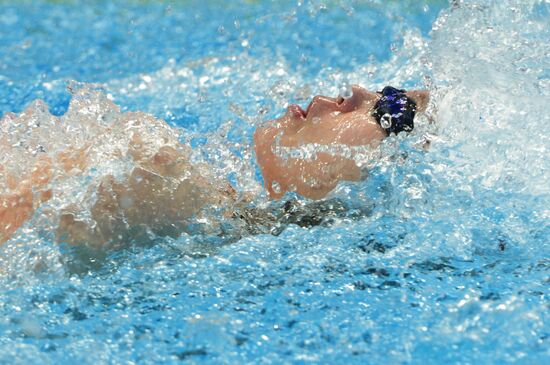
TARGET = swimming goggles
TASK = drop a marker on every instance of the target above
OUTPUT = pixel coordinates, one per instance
(394, 111)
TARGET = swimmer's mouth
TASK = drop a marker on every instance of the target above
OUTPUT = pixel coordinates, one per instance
(297, 110)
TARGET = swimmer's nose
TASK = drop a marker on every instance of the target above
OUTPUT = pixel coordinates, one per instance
(296, 111)
(360, 98)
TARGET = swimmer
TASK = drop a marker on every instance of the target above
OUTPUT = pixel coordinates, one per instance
(158, 191)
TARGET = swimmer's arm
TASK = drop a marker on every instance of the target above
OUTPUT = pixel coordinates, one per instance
(17, 205)
(159, 195)
(16, 208)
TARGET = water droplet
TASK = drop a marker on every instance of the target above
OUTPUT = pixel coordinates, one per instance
(345, 90)
(303, 93)
(276, 187)
(263, 110)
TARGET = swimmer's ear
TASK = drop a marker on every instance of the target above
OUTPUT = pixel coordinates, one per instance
(421, 98)
(358, 97)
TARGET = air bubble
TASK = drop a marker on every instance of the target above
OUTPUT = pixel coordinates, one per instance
(386, 121)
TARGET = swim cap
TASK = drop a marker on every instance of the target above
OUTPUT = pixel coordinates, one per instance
(394, 111)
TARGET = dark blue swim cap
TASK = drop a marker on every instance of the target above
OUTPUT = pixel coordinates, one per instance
(394, 111)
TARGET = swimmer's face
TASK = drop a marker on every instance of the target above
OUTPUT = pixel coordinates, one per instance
(326, 121)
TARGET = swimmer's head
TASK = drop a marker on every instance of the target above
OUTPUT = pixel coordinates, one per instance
(326, 123)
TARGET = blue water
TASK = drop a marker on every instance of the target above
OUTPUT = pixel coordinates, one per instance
(452, 263)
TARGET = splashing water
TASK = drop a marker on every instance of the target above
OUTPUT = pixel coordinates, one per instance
(450, 263)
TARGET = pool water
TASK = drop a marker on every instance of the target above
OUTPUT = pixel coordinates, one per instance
(450, 265)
